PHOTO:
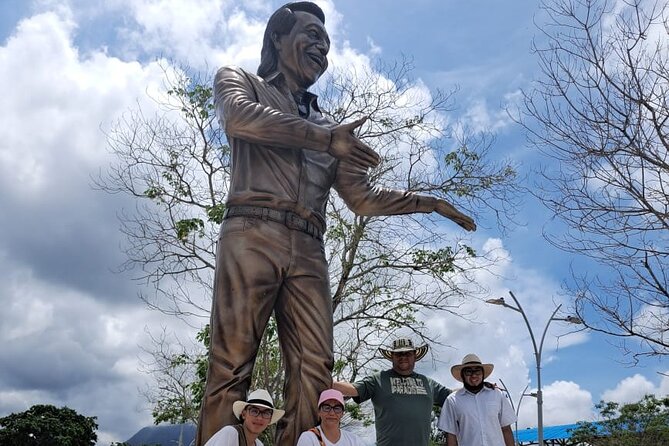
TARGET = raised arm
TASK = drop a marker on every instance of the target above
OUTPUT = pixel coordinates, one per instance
(346, 388)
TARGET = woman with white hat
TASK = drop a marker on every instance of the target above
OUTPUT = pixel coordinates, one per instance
(255, 414)
(328, 432)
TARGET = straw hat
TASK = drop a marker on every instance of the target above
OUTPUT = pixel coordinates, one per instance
(258, 398)
(471, 360)
(403, 345)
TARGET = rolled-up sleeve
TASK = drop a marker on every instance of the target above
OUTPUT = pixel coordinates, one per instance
(242, 116)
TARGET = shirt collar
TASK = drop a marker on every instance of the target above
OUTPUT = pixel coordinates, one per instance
(276, 78)
(484, 389)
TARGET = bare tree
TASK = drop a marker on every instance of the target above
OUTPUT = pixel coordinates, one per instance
(384, 271)
(387, 271)
(600, 110)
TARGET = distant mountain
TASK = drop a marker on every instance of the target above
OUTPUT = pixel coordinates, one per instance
(164, 435)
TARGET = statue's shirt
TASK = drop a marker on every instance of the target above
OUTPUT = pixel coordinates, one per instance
(280, 160)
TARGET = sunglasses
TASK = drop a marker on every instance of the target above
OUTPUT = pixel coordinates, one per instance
(401, 354)
(474, 371)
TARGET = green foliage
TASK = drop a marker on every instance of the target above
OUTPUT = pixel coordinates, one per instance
(357, 412)
(187, 226)
(464, 164)
(46, 425)
(201, 363)
(438, 262)
(645, 423)
(175, 407)
(215, 213)
(198, 102)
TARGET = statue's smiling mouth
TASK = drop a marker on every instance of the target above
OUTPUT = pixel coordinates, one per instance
(318, 60)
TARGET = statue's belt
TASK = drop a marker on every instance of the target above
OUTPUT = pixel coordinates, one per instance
(288, 218)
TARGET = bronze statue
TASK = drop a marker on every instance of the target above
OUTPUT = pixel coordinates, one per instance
(285, 158)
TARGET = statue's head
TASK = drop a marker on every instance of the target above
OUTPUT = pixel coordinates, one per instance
(296, 43)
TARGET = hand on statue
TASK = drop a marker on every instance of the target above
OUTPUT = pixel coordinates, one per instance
(447, 210)
(346, 146)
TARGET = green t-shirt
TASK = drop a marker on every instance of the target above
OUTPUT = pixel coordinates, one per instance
(402, 406)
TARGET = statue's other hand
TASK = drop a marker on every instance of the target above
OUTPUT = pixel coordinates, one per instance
(447, 210)
(344, 145)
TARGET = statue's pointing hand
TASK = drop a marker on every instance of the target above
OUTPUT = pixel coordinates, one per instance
(344, 145)
(447, 210)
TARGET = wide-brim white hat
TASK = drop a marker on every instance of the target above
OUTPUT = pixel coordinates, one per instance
(471, 360)
(258, 398)
(403, 345)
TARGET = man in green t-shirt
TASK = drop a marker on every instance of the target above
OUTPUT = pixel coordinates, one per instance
(402, 399)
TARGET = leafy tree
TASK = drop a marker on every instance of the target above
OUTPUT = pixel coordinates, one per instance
(600, 110)
(645, 423)
(46, 425)
(385, 272)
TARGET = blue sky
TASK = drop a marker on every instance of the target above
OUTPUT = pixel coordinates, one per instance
(70, 328)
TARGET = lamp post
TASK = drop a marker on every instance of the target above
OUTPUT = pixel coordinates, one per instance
(537, 352)
(513, 406)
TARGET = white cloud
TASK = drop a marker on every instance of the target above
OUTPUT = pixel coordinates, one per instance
(69, 326)
(564, 403)
(633, 388)
(480, 117)
(374, 49)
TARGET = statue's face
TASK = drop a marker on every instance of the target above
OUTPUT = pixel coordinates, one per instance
(303, 52)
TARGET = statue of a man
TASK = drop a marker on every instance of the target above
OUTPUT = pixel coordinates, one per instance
(286, 156)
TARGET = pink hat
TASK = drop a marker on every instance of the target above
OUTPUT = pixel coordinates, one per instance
(331, 394)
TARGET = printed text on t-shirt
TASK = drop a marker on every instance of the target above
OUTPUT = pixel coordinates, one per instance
(407, 386)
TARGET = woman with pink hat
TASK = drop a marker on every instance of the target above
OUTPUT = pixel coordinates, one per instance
(328, 432)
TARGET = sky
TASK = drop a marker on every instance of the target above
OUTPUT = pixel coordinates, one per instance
(72, 326)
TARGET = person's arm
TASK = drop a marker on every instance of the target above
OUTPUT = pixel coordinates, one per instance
(346, 388)
(243, 117)
(507, 433)
(352, 185)
(451, 440)
(439, 393)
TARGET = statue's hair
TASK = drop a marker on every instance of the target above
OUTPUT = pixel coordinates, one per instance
(279, 24)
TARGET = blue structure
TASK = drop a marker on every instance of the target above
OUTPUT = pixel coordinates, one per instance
(553, 435)
(164, 435)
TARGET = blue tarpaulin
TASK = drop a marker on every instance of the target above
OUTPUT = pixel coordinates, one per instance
(562, 432)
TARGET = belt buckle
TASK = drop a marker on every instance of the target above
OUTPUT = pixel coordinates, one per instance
(294, 221)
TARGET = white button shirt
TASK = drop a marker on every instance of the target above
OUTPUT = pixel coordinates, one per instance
(476, 419)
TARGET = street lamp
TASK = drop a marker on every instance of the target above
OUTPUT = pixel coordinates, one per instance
(537, 352)
(505, 388)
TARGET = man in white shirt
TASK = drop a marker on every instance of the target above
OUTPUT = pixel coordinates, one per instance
(476, 415)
